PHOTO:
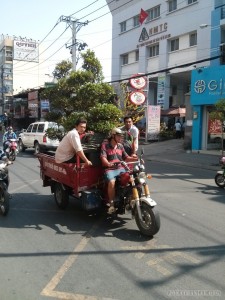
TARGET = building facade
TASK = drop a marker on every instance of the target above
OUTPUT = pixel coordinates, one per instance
(6, 72)
(167, 46)
(180, 45)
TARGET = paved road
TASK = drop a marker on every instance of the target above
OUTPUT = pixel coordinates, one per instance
(172, 151)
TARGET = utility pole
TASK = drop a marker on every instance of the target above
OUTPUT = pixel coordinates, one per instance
(75, 26)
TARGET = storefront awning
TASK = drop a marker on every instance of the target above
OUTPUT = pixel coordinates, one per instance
(174, 112)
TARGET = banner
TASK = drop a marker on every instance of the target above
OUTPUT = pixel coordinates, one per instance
(153, 124)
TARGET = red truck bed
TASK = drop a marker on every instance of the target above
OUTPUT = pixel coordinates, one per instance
(76, 176)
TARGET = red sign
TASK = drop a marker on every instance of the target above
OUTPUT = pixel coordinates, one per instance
(138, 82)
(137, 97)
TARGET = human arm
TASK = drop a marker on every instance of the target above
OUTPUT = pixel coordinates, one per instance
(84, 158)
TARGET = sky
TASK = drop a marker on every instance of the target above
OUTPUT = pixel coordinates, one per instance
(40, 20)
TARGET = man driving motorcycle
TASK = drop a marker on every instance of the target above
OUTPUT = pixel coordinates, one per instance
(113, 152)
(8, 135)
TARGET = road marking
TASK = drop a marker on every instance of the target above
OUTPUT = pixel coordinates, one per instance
(23, 186)
(49, 289)
(172, 257)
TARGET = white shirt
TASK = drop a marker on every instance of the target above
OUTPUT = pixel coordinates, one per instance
(135, 133)
(69, 145)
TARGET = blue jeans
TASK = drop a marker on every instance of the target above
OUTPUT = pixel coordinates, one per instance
(111, 174)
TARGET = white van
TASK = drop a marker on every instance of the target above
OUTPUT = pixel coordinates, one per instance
(35, 137)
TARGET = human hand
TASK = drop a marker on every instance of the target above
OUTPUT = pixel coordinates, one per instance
(88, 163)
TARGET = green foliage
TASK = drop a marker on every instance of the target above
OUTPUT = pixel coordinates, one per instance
(62, 69)
(103, 117)
(82, 93)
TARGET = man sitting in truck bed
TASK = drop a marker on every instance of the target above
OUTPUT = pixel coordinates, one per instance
(70, 146)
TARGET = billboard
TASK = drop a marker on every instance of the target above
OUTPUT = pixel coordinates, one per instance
(26, 51)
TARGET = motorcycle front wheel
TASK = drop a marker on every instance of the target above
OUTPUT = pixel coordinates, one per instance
(4, 201)
(151, 220)
(220, 180)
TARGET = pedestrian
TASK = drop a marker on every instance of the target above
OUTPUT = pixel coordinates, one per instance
(131, 134)
(178, 128)
(70, 146)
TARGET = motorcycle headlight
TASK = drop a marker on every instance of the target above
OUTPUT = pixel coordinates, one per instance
(142, 175)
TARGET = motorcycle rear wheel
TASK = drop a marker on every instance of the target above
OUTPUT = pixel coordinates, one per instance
(61, 196)
(151, 220)
(12, 155)
(4, 201)
(220, 180)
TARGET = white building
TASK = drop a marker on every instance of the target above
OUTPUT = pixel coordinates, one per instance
(175, 33)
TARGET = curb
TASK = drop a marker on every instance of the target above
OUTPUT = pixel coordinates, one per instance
(192, 165)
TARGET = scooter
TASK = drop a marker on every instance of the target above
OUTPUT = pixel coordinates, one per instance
(220, 175)
(11, 151)
(4, 183)
(132, 194)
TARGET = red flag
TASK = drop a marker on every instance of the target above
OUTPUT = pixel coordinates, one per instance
(143, 15)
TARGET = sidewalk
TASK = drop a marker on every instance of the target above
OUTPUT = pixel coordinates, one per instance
(172, 151)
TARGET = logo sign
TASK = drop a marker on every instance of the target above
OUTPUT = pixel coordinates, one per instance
(200, 86)
(138, 82)
(137, 98)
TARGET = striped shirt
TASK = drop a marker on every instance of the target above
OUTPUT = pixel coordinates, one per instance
(113, 154)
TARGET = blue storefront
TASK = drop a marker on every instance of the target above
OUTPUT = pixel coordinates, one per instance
(207, 87)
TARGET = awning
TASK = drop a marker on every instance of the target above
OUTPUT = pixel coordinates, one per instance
(174, 112)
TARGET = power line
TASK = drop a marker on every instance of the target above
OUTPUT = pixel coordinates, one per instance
(168, 69)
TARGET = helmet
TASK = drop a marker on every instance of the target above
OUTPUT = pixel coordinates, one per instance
(10, 128)
(117, 131)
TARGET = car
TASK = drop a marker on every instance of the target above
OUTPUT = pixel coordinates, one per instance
(35, 137)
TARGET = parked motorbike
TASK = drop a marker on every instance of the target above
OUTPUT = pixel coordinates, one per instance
(4, 183)
(220, 175)
(132, 194)
(11, 151)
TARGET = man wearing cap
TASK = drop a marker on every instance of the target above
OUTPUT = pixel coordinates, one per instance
(112, 151)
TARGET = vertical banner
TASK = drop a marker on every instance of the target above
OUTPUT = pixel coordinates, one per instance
(153, 128)
(161, 90)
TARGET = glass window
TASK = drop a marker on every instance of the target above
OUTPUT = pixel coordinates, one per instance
(174, 45)
(154, 50)
(34, 129)
(123, 26)
(41, 127)
(124, 59)
(136, 21)
(172, 5)
(192, 1)
(193, 39)
(137, 55)
(153, 13)
(29, 128)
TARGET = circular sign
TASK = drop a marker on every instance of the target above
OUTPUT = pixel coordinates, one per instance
(138, 82)
(137, 98)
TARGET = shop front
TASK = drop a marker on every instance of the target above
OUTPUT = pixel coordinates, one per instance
(207, 87)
